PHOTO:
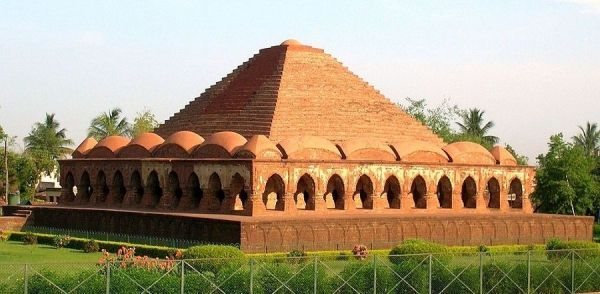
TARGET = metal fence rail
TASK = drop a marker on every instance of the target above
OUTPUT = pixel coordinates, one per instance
(560, 271)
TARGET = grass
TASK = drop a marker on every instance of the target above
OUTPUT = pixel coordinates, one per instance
(13, 252)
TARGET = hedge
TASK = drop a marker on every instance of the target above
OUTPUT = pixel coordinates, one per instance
(79, 243)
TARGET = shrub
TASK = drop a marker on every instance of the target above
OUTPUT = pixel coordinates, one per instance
(212, 258)
(415, 249)
(342, 256)
(557, 249)
(61, 241)
(91, 246)
(30, 239)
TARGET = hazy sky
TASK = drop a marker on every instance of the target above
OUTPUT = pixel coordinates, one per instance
(533, 66)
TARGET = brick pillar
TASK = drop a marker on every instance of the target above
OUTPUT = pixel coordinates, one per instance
(379, 201)
(82, 194)
(432, 201)
(228, 203)
(504, 200)
(186, 200)
(66, 196)
(289, 203)
(97, 195)
(255, 204)
(166, 200)
(348, 201)
(129, 198)
(147, 198)
(457, 203)
(480, 201)
(527, 206)
(406, 203)
(320, 204)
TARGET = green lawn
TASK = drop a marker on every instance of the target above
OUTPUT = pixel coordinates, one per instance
(12, 252)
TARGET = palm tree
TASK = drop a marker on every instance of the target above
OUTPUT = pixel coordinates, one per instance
(474, 128)
(49, 138)
(589, 139)
(109, 124)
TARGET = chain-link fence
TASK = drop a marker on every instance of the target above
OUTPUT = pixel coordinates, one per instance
(561, 271)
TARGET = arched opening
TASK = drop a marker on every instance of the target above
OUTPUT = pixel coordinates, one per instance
(137, 187)
(515, 194)
(469, 193)
(444, 192)
(175, 189)
(334, 197)
(118, 188)
(305, 193)
(363, 195)
(102, 187)
(195, 190)
(274, 194)
(492, 193)
(69, 194)
(216, 193)
(84, 190)
(392, 191)
(154, 189)
(236, 188)
(418, 189)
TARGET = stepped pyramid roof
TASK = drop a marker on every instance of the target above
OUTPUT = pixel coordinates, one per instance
(294, 90)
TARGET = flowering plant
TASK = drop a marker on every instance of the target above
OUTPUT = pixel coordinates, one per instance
(61, 241)
(360, 252)
(126, 258)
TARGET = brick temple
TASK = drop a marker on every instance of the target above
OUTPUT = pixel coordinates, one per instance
(292, 150)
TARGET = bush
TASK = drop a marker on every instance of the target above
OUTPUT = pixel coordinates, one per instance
(213, 258)
(91, 246)
(557, 249)
(342, 256)
(482, 248)
(30, 239)
(360, 252)
(416, 250)
(61, 241)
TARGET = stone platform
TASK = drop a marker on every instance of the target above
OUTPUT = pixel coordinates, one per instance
(329, 232)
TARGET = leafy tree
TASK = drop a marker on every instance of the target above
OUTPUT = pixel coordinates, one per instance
(107, 124)
(439, 118)
(22, 174)
(565, 183)
(474, 128)
(145, 121)
(48, 138)
(589, 139)
(521, 159)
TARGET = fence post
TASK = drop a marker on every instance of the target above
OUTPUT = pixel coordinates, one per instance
(374, 274)
(481, 272)
(26, 285)
(182, 276)
(107, 275)
(251, 276)
(572, 271)
(430, 278)
(315, 275)
(528, 271)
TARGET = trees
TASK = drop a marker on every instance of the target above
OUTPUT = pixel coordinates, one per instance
(109, 123)
(145, 121)
(48, 138)
(473, 127)
(589, 139)
(565, 180)
(439, 118)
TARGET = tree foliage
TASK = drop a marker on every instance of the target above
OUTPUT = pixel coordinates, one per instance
(589, 139)
(145, 121)
(565, 180)
(109, 123)
(473, 126)
(439, 118)
(521, 159)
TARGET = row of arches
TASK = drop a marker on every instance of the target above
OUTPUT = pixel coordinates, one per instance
(363, 195)
(151, 193)
(187, 194)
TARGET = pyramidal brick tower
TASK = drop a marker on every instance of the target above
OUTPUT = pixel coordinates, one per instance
(293, 89)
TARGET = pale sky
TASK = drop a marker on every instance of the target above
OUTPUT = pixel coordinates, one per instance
(533, 66)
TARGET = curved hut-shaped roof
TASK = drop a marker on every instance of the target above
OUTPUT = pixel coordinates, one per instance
(503, 157)
(220, 145)
(84, 148)
(367, 149)
(108, 147)
(469, 153)
(310, 147)
(259, 147)
(141, 146)
(178, 145)
(420, 151)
